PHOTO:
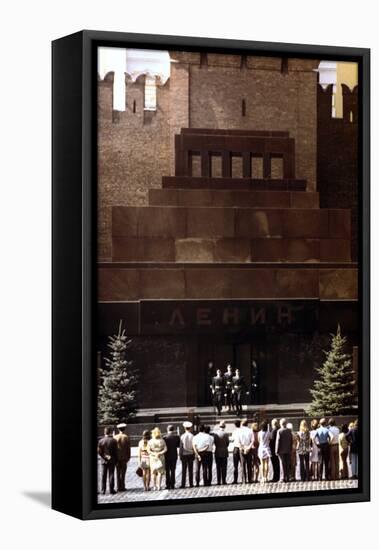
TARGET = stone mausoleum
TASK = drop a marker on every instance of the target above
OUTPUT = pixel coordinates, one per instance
(227, 225)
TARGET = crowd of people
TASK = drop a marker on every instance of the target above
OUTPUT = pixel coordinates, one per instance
(322, 451)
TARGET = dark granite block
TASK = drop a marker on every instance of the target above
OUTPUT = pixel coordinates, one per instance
(161, 221)
(253, 283)
(269, 199)
(304, 199)
(297, 283)
(305, 223)
(339, 284)
(335, 250)
(194, 250)
(232, 250)
(195, 197)
(162, 283)
(268, 250)
(118, 284)
(164, 197)
(124, 221)
(207, 283)
(134, 249)
(159, 249)
(127, 249)
(258, 223)
(339, 224)
(303, 250)
(210, 222)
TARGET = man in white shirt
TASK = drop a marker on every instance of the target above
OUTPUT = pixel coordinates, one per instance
(186, 454)
(334, 449)
(200, 445)
(246, 443)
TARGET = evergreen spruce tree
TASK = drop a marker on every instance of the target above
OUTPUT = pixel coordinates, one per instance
(333, 391)
(117, 391)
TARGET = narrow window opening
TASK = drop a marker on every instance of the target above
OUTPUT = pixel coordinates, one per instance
(243, 107)
(277, 168)
(284, 68)
(134, 106)
(216, 166)
(236, 166)
(257, 168)
(203, 59)
(195, 165)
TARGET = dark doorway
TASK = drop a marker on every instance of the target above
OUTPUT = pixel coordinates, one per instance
(249, 355)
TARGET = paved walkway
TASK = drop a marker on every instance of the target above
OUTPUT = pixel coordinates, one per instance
(135, 490)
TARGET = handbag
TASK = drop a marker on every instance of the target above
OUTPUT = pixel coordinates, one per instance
(139, 471)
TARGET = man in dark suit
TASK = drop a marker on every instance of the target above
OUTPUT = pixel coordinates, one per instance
(218, 390)
(274, 457)
(123, 455)
(283, 448)
(171, 456)
(228, 385)
(107, 449)
(221, 441)
(239, 386)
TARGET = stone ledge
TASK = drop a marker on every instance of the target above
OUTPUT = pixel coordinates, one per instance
(124, 284)
(210, 222)
(243, 198)
(233, 250)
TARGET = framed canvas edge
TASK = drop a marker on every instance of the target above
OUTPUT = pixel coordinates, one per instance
(92, 39)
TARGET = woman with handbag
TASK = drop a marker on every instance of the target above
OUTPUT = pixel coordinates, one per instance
(157, 449)
(143, 469)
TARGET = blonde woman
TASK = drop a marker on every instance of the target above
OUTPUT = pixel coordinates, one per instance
(343, 452)
(144, 459)
(157, 449)
(304, 449)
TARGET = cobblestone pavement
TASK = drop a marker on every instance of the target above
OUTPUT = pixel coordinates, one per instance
(135, 490)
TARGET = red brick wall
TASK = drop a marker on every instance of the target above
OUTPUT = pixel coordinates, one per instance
(137, 148)
(337, 159)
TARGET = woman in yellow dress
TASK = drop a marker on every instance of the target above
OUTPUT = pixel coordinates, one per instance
(157, 449)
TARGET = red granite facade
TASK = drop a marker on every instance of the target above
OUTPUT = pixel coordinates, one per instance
(212, 242)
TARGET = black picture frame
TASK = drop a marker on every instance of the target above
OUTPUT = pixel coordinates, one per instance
(74, 113)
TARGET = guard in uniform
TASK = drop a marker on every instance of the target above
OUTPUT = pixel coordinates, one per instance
(228, 384)
(218, 390)
(254, 383)
(239, 386)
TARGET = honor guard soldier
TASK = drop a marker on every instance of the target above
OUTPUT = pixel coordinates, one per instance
(218, 390)
(228, 383)
(254, 383)
(209, 380)
(239, 387)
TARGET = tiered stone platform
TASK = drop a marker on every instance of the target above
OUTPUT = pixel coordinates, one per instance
(225, 237)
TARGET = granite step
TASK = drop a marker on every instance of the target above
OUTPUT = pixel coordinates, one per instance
(123, 282)
(202, 182)
(177, 222)
(244, 198)
(229, 250)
